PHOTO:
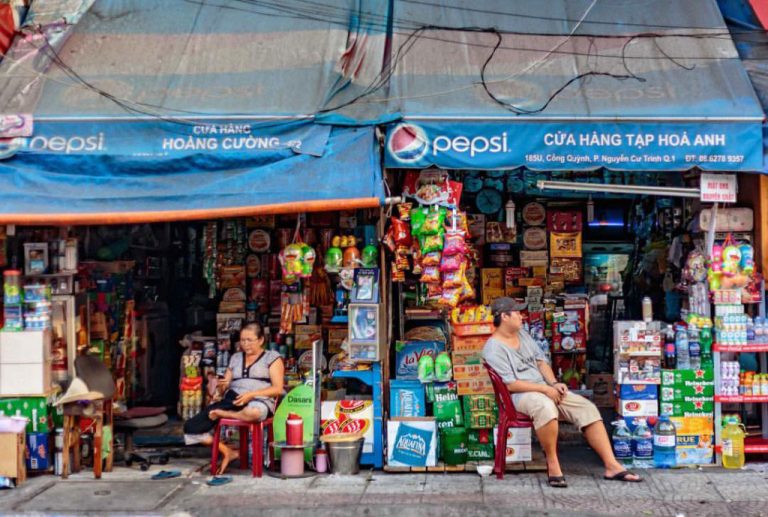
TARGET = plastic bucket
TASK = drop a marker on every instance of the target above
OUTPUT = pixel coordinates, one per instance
(345, 456)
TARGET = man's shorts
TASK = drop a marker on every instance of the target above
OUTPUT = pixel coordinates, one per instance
(542, 410)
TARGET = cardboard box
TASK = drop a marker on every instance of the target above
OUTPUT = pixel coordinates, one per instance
(678, 377)
(466, 358)
(412, 442)
(491, 293)
(304, 335)
(336, 335)
(695, 440)
(406, 399)
(698, 407)
(492, 278)
(518, 444)
(475, 386)
(469, 371)
(12, 452)
(36, 409)
(30, 346)
(638, 391)
(680, 393)
(638, 407)
(38, 451)
(481, 419)
(474, 403)
(480, 445)
(602, 390)
(468, 343)
(25, 379)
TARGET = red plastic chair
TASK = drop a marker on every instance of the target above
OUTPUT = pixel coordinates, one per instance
(509, 418)
(256, 430)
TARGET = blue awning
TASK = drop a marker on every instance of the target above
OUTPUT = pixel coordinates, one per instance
(570, 85)
(120, 172)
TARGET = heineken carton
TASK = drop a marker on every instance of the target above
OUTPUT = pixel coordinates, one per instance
(480, 444)
(691, 407)
(676, 393)
(36, 409)
(677, 377)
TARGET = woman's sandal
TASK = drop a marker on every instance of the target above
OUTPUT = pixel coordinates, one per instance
(622, 476)
(219, 480)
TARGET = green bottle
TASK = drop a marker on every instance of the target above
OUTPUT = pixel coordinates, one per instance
(443, 367)
(426, 368)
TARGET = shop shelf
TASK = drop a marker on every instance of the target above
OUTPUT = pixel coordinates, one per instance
(415, 315)
(751, 347)
(741, 399)
(640, 354)
(752, 445)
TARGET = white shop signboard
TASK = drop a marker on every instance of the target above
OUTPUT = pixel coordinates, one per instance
(718, 188)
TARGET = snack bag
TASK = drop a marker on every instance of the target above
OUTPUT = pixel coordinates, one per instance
(454, 278)
(432, 258)
(431, 243)
(418, 216)
(404, 209)
(450, 297)
(401, 232)
(433, 222)
(431, 275)
(451, 263)
(467, 291)
(454, 244)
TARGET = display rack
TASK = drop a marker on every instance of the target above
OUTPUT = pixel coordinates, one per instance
(755, 444)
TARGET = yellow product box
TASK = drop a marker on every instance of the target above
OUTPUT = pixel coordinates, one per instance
(469, 371)
(481, 386)
(304, 335)
(336, 335)
(540, 271)
(491, 293)
(693, 425)
(492, 277)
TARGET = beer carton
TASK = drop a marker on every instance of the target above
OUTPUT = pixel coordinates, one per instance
(692, 407)
(688, 389)
(678, 377)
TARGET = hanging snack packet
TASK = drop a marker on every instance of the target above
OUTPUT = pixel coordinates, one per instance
(431, 259)
(389, 239)
(456, 221)
(431, 275)
(453, 279)
(397, 275)
(454, 244)
(433, 222)
(418, 216)
(450, 297)
(467, 291)
(451, 263)
(404, 209)
(431, 243)
(401, 232)
(401, 258)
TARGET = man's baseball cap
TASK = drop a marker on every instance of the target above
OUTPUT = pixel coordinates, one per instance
(503, 305)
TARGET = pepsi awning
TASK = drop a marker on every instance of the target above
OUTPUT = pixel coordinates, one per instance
(89, 173)
(570, 85)
(128, 110)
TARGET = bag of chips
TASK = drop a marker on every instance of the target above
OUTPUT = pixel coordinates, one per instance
(450, 297)
(401, 233)
(418, 216)
(431, 243)
(404, 209)
(433, 222)
(454, 279)
(432, 258)
(454, 244)
(451, 263)
(431, 275)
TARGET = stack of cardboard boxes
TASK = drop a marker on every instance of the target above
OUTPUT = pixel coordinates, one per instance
(637, 372)
(687, 396)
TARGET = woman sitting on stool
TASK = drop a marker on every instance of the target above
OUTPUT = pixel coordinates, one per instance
(253, 381)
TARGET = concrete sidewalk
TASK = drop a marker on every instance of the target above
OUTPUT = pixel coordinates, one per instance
(710, 491)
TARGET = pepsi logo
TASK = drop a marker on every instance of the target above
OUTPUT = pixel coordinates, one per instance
(408, 143)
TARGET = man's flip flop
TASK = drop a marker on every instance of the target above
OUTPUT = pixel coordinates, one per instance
(167, 474)
(219, 480)
(557, 481)
(622, 476)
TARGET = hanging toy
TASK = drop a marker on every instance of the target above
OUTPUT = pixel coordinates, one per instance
(370, 256)
(333, 259)
(716, 262)
(731, 260)
(714, 278)
(306, 260)
(290, 260)
(351, 256)
(747, 263)
(695, 269)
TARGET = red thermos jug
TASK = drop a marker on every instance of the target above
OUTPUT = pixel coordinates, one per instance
(294, 429)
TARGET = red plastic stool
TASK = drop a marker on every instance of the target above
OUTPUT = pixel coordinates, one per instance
(256, 430)
(509, 418)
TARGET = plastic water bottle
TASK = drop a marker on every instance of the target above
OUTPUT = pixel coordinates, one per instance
(622, 443)
(642, 446)
(681, 347)
(705, 340)
(694, 348)
(664, 443)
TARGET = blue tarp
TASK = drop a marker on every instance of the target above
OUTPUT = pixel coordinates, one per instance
(563, 85)
(90, 173)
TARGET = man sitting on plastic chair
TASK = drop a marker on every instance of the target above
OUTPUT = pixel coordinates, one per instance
(513, 353)
(253, 382)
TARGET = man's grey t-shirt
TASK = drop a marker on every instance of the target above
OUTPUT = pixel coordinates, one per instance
(515, 365)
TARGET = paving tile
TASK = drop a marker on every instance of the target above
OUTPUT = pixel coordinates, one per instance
(331, 484)
(381, 498)
(706, 508)
(512, 484)
(514, 501)
(106, 496)
(749, 508)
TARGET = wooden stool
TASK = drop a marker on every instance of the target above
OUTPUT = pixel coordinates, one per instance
(72, 414)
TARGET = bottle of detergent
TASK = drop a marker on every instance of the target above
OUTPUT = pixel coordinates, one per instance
(733, 444)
